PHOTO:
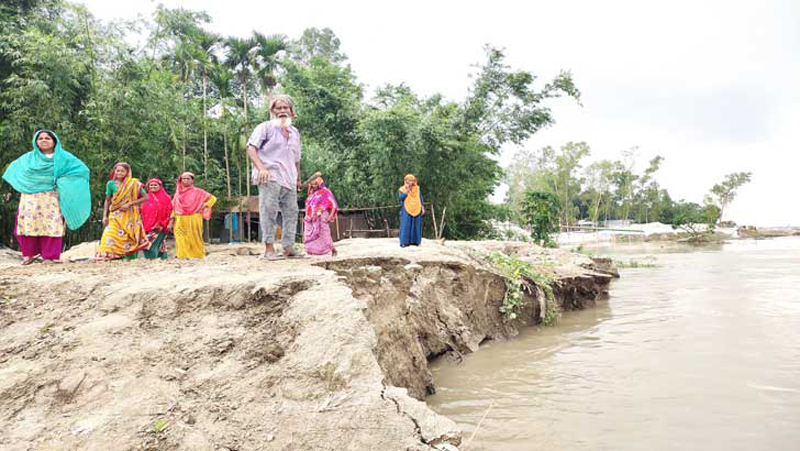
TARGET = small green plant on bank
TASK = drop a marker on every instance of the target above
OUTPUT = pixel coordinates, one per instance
(521, 276)
(540, 210)
(160, 425)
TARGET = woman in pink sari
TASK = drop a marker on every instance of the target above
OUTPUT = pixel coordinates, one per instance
(321, 211)
(190, 205)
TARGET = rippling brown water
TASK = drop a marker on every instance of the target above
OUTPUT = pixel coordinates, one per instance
(701, 352)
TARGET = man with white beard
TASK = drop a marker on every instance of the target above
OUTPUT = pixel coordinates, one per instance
(274, 149)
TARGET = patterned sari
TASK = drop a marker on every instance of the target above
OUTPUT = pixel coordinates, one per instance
(124, 234)
(321, 210)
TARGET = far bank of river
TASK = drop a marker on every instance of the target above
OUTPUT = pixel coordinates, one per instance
(700, 351)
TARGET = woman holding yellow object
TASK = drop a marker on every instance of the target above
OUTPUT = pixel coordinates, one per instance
(411, 211)
(124, 235)
(190, 206)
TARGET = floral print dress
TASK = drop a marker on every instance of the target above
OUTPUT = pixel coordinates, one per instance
(39, 214)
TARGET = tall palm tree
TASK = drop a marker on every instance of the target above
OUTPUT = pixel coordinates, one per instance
(206, 43)
(241, 58)
(183, 60)
(221, 77)
(266, 61)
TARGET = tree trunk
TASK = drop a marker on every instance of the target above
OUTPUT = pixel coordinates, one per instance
(184, 148)
(238, 162)
(227, 169)
(205, 129)
(248, 169)
(596, 208)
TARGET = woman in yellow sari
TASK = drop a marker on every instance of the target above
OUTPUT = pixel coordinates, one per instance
(190, 206)
(124, 235)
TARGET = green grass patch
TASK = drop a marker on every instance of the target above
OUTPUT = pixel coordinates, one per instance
(521, 277)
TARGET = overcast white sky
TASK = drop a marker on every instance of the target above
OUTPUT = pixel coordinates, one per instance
(710, 85)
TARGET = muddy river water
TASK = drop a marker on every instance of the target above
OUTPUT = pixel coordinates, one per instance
(700, 352)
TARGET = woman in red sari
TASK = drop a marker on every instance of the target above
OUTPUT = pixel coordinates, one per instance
(156, 212)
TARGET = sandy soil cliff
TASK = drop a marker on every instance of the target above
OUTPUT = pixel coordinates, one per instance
(235, 353)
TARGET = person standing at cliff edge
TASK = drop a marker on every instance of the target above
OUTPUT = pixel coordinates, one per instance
(412, 208)
(274, 149)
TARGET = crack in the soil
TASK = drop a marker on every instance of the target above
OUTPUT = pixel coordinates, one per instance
(400, 411)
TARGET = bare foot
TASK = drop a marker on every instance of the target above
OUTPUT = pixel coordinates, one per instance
(28, 261)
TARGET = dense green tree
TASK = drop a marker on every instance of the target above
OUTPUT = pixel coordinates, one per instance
(698, 221)
(317, 43)
(550, 170)
(598, 178)
(541, 211)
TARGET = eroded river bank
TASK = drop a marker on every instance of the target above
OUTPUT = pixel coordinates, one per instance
(697, 348)
(235, 353)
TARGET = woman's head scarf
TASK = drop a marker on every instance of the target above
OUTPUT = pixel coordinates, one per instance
(189, 200)
(158, 208)
(33, 172)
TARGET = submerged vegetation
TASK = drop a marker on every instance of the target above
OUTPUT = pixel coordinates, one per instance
(646, 262)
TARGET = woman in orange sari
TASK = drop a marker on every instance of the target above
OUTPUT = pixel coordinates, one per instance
(124, 235)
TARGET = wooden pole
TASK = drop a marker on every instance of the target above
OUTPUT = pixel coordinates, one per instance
(435, 227)
(441, 225)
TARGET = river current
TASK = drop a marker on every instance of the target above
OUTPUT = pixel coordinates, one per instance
(699, 352)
